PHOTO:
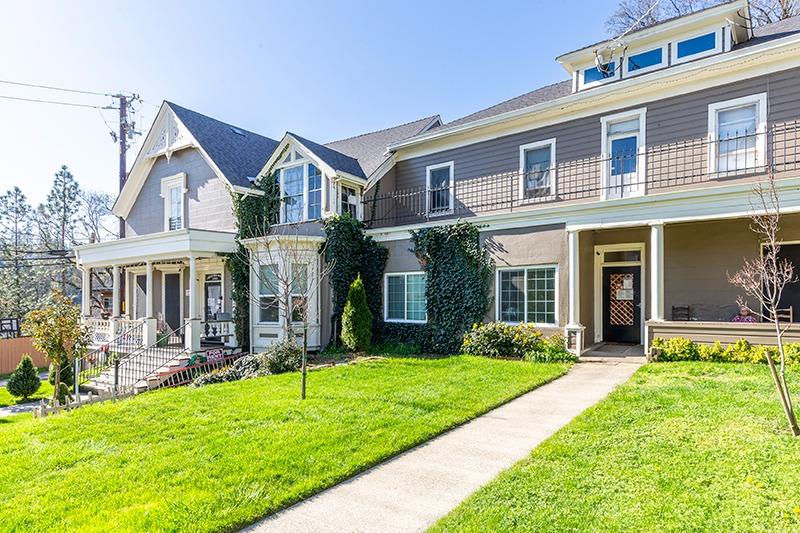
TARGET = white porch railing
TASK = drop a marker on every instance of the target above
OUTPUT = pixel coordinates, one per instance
(103, 331)
(223, 330)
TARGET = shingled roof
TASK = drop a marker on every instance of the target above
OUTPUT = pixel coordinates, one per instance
(238, 153)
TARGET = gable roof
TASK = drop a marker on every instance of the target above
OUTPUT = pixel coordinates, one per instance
(239, 154)
(369, 149)
(338, 161)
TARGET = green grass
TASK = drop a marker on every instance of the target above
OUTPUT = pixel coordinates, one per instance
(681, 446)
(222, 456)
(45, 391)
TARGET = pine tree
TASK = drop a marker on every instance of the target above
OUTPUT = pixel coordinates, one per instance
(17, 284)
(24, 381)
(57, 222)
(357, 319)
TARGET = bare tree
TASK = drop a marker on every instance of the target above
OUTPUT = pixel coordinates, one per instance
(632, 15)
(289, 269)
(763, 280)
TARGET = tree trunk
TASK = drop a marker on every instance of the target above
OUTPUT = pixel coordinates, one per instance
(780, 382)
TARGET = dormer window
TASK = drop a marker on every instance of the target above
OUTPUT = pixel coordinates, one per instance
(349, 201)
(173, 191)
(301, 188)
(599, 74)
(645, 61)
(696, 47)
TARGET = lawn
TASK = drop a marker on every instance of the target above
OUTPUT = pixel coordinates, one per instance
(222, 456)
(45, 391)
(681, 446)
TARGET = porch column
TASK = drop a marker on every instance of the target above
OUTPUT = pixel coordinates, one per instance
(150, 322)
(574, 330)
(86, 291)
(657, 271)
(115, 294)
(192, 331)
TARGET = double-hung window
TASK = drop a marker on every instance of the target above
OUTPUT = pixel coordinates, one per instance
(404, 297)
(439, 186)
(623, 170)
(268, 305)
(299, 280)
(349, 197)
(314, 192)
(737, 134)
(527, 294)
(173, 190)
(537, 169)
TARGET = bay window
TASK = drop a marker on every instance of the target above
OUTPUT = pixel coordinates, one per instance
(527, 294)
(404, 297)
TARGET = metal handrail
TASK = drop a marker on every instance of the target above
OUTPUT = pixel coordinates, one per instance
(138, 365)
(100, 359)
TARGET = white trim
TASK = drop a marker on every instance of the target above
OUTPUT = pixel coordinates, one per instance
(451, 195)
(169, 183)
(599, 263)
(760, 100)
(553, 167)
(405, 275)
(770, 57)
(718, 39)
(525, 268)
(641, 152)
(182, 294)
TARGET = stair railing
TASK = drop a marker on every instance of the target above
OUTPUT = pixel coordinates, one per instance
(102, 358)
(135, 368)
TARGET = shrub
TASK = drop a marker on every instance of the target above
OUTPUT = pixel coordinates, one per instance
(400, 333)
(24, 381)
(741, 351)
(283, 356)
(67, 374)
(220, 375)
(249, 366)
(551, 350)
(357, 319)
(499, 339)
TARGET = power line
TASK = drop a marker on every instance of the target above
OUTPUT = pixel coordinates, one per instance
(55, 102)
(53, 88)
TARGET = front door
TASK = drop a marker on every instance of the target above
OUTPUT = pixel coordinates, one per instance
(213, 295)
(622, 302)
(172, 300)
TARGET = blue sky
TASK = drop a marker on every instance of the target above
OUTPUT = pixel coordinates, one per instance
(326, 70)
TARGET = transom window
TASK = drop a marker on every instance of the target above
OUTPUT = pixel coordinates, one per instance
(737, 134)
(600, 74)
(527, 294)
(696, 45)
(439, 197)
(537, 168)
(404, 298)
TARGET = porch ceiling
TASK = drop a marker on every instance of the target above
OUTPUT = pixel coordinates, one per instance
(166, 245)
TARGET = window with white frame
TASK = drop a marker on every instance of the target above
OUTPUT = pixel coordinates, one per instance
(696, 46)
(439, 185)
(349, 201)
(173, 190)
(299, 278)
(527, 294)
(268, 305)
(645, 61)
(537, 169)
(737, 134)
(404, 298)
(623, 140)
(301, 185)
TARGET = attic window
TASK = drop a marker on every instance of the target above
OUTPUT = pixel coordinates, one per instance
(646, 60)
(696, 47)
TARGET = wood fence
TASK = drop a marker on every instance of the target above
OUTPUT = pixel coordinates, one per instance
(12, 350)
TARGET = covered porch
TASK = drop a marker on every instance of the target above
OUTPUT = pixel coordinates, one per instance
(171, 288)
(631, 284)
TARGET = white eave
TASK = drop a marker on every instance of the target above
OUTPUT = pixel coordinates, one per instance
(622, 90)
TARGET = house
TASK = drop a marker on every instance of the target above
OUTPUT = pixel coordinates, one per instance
(615, 202)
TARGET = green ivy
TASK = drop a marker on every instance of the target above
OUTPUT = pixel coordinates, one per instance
(459, 272)
(352, 253)
(254, 216)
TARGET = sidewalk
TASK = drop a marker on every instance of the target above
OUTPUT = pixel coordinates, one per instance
(416, 488)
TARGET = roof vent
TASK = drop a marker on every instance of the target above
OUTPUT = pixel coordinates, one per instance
(237, 131)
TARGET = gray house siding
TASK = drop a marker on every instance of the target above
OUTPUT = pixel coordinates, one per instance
(207, 204)
(668, 121)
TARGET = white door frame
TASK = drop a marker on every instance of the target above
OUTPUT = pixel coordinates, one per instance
(599, 263)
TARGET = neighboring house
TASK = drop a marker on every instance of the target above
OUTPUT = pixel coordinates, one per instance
(614, 202)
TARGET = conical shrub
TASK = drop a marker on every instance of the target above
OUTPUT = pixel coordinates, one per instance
(357, 319)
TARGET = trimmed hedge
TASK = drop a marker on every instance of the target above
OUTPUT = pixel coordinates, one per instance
(741, 351)
(522, 341)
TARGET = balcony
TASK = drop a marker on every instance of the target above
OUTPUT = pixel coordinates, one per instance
(658, 169)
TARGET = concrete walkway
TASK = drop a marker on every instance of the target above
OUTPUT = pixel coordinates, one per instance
(416, 488)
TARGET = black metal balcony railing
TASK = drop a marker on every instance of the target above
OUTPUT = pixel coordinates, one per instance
(655, 169)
